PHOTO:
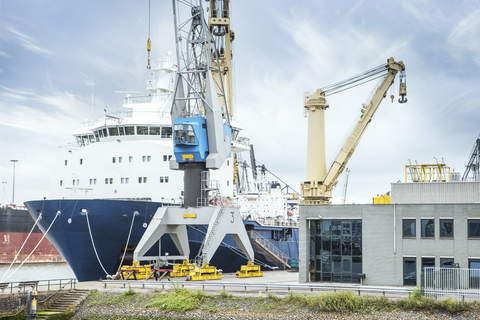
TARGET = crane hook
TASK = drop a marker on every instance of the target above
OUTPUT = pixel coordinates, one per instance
(403, 88)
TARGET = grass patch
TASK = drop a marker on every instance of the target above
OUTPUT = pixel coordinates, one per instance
(180, 300)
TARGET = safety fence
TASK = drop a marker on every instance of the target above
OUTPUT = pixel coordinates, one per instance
(37, 285)
(460, 284)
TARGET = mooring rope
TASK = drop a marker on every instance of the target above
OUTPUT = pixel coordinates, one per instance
(44, 235)
(93, 244)
(128, 239)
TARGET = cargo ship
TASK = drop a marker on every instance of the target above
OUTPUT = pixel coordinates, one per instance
(15, 226)
(109, 183)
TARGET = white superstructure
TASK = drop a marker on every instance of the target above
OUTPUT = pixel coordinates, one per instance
(126, 155)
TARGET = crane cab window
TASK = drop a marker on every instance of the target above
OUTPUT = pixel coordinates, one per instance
(184, 134)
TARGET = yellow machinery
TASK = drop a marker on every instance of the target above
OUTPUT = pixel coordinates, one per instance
(250, 270)
(427, 173)
(205, 273)
(182, 269)
(317, 189)
(136, 272)
(383, 199)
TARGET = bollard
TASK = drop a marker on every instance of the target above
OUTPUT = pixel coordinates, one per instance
(31, 311)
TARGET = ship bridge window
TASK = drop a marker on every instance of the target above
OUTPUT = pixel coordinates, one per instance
(121, 131)
(85, 140)
(142, 130)
(91, 138)
(105, 134)
(166, 132)
(79, 141)
(130, 131)
(113, 131)
(100, 133)
(96, 136)
(154, 131)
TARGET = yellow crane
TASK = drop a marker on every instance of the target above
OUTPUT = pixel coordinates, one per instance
(317, 188)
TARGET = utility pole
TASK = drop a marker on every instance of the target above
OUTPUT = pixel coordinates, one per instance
(13, 194)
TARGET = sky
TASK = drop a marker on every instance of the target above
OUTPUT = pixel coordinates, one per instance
(62, 61)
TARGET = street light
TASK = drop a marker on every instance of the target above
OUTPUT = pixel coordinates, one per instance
(13, 194)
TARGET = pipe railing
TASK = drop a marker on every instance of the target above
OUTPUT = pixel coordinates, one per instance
(37, 285)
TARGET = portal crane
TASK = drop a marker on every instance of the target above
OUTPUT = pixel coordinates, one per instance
(317, 189)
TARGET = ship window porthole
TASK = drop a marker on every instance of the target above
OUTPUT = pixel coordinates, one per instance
(130, 158)
(61, 183)
(126, 180)
(166, 179)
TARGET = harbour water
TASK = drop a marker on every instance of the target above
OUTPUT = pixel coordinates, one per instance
(37, 272)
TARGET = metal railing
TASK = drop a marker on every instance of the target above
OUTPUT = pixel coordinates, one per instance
(457, 283)
(270, 247)
(37, 285)
(256, 287)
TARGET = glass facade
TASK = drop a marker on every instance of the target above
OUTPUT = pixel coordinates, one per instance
(336, 250)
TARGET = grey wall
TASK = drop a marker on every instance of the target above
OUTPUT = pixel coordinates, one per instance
(383, 244)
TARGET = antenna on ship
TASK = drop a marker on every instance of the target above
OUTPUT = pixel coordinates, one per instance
(149, 43)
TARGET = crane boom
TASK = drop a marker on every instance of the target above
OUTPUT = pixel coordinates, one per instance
(317, 189)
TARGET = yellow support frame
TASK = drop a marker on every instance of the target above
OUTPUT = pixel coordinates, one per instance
(182, 269)
(250, 270)
(206, 272)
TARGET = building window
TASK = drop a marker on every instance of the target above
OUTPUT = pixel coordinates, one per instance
(169, 157)
(428, 228)
(111, 180)
(66, 162)
(73, 182)
(336, 250)
(144, 158)
(81, 161)
(228, 182)
(95, 181)
(139, 179)
(446, 262)
(409, 228)
(122, 180)
(91, 181)
(428, 262)
(144, 179)
(61, 183)
(446, 228)
(228, 163)
(474, 265)
(127, 180)
(113, 159)
(119, 159)
(164, 157)
(149, 158)
(106, 180)
(161, 179)
(409, 271)
(166, 179)
(474, 228)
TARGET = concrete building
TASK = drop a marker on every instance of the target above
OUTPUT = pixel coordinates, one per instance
(388, 244)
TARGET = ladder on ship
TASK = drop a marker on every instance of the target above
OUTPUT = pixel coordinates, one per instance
(269, 248)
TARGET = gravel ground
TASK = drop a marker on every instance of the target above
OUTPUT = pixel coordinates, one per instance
(224, 309)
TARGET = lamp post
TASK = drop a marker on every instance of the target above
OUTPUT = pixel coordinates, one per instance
(4, 183)
(13, 194)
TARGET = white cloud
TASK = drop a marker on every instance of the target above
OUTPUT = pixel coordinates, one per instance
(463, 40)
(26, 41)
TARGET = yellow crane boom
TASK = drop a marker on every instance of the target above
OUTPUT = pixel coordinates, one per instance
(317, 189)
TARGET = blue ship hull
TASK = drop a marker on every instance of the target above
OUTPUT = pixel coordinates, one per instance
(110, 222)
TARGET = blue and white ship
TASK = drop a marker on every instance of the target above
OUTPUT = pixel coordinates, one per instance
(107, 186)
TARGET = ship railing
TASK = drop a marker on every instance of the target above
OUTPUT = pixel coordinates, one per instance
(38, 285)
(269, 246)
(277, 223)
(243, 141)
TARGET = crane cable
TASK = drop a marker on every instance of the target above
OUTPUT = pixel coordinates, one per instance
(149, 43)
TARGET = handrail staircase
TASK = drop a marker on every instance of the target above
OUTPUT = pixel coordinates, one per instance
(269, 248)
